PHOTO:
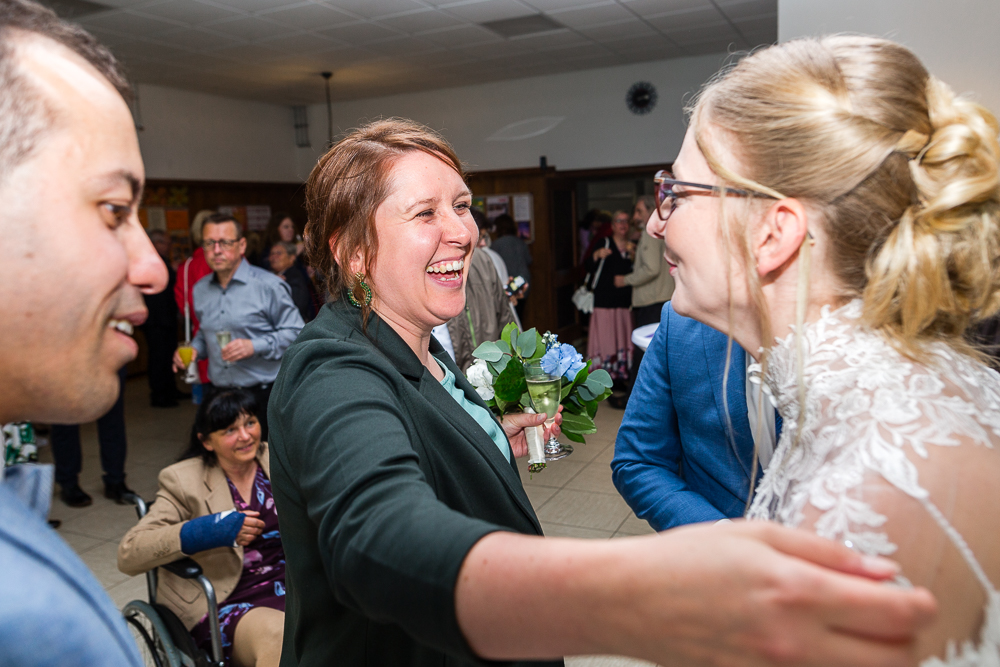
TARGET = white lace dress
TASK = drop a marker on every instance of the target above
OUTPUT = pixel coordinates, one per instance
(898, 459)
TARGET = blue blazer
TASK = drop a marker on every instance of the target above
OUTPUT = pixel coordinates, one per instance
(675, 460)
(52, 610)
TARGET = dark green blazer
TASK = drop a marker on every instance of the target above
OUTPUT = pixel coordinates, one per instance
(383, 484)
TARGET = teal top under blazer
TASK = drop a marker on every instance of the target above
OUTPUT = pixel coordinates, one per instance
(383, 485)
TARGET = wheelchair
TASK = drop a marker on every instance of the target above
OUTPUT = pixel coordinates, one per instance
(162, 639)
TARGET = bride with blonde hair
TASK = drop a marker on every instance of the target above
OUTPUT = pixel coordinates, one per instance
(855, 201)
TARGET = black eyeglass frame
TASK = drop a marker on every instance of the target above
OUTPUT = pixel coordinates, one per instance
(662, 178)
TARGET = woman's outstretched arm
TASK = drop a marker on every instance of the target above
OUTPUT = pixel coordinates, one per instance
(738, 594)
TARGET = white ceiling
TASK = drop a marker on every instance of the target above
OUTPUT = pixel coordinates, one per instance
(274, 50)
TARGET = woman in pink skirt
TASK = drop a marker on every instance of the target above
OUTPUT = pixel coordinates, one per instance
(610, 341)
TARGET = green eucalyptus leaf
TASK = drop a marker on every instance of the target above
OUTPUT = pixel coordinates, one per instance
(488, 351)
(504, 346)
(602, 377)
(573, 407)
(509, 334)
(585, 392)
(510, 383)
(578, 423)
(499, 365)
(567, 389)
(526, 401)
(527, 342)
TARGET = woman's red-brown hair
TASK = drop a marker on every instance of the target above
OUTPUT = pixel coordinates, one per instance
(345, 189)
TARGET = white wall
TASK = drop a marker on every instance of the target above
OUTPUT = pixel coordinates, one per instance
(598, 130)
(957, 40)
(196, 136)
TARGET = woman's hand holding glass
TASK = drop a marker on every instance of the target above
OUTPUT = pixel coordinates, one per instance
(515, 424)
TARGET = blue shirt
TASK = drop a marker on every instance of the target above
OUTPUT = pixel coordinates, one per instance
(52, 610)
(255, 305)
(482, 416)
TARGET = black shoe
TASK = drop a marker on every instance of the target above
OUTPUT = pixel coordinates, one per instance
(74, 496)
(116, 491)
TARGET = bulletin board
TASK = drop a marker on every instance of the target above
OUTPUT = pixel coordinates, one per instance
(519, 205)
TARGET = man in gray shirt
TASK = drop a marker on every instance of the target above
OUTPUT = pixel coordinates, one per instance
(247, 315)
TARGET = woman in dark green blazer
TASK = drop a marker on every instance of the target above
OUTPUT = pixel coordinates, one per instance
(408, 536)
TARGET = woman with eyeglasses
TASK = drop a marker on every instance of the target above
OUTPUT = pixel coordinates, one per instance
(408, 537)
(836, 210)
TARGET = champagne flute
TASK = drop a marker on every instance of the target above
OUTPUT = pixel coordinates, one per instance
(223, 338)
(186, 352)
(545, 391)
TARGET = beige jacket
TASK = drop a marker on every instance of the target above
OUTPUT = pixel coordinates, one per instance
(650, 279)
(188, 489)
(486, 305)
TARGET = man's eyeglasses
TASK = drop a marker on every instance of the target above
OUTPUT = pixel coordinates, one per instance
(665, 192)
(225, 244)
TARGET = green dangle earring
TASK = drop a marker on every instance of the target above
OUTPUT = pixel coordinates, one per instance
(359, 281)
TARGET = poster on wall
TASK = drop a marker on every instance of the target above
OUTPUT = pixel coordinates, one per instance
(155, 217)
(258, 217)
(524, 216)
(177, 219)
(238, 212)
(497, 205)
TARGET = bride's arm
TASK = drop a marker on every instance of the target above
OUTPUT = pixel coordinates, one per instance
(738, 594)
(906, 521)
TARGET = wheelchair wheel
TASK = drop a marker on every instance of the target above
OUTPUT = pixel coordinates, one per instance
(187, 652)
(151, 635)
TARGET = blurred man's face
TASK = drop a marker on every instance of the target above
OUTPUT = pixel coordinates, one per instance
(223, 250)
(76, 259)
(162, 245)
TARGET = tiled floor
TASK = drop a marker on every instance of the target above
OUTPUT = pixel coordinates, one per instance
(573, 497)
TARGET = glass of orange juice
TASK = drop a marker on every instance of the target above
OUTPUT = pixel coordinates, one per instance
(186, 353)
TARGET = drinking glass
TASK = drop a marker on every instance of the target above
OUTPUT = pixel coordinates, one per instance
(186, 353)
(545, 391)
(224, 338)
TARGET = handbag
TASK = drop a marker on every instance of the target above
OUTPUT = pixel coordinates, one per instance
(583, 297)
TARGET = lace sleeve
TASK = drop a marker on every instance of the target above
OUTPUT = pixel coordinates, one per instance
(933, 509)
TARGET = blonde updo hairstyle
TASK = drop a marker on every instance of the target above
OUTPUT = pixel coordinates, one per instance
(903, 175)
(347, 186)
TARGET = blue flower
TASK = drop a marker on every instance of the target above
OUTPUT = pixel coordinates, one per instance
(563, 360)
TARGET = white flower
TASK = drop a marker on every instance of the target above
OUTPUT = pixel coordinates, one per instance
(480, 377)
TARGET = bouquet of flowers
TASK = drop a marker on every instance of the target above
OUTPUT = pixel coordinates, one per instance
(499, 378)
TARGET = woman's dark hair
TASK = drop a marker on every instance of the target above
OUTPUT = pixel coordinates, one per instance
(271, 233)
(505, 225)
(215, 413)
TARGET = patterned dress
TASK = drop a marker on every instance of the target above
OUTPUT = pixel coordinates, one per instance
(262, 583)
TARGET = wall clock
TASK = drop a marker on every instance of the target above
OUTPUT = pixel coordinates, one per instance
(641, 98)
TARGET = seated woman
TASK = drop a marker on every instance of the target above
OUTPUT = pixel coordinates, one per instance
(215, 505)
(410, 539)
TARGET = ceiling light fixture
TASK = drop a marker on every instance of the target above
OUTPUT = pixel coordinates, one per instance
(329, 108)
(523, 26)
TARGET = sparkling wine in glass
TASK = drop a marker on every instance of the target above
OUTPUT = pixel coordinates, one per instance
(224, 338)
(545, 391)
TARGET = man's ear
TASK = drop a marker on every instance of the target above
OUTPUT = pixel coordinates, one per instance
(780, 234)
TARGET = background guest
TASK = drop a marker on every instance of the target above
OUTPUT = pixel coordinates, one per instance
(515, 254)
(650, 281)
(215, 505)
(160, 330)
(193, 269)
(609, 344)
(68, 454)
(252, 305)
(282, 261)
